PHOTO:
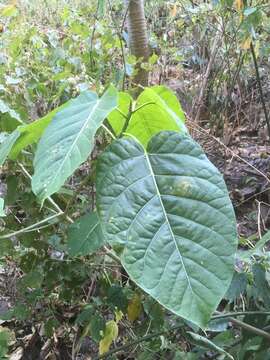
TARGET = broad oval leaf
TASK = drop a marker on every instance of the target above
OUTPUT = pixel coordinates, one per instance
(158, 109)
(85, 235)
(69, 139)
(168, 98)
(170, 210)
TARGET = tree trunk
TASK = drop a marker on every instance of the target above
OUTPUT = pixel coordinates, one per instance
(138, 41)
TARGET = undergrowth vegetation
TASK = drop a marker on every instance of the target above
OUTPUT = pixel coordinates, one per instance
(118, 234)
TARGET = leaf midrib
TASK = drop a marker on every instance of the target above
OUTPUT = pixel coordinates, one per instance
(166, 217)
(76, 139)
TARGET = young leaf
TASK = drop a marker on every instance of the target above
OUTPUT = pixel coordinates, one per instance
(68, 140)
(110, 334)
(170, 210)
(7, 144)
(85, 235)
(134, 308)
(169, 98)
(158, 109)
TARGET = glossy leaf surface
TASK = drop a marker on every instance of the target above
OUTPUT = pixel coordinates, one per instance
(158, 109)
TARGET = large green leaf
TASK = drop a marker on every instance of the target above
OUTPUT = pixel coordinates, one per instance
(167, 97)
(168, 207)
(31, 133)
(7, 144)
(85, 235)
(69, 139)
(158, 109)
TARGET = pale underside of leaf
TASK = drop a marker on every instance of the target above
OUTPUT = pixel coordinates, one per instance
(68, 140)
(170, 210)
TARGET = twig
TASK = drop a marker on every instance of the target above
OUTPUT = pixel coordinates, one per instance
(200, 129)
(260, 88)
(120, 37)
(50, 199)
(33, 227)
(206, 76)
(92, 38)
(244, 325)
(236, 322)
(250, 328)
(239, 313)
(36, 226)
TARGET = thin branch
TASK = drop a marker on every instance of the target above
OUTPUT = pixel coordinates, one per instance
(198, 128)
(236, 322)
(136, 342)
(112, 255)
(50, 199)
(239, 313)
(32, 227)
(250, 328)
(92, 38)
(200, 101)
(120, 37)
(243, 325)
(260, 88)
